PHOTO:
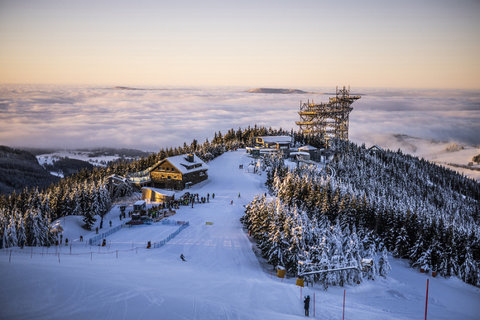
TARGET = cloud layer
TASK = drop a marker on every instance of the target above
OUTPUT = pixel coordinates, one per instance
(75, 117)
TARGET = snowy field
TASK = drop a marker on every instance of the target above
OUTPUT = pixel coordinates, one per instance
(50, 158)
(222, 278)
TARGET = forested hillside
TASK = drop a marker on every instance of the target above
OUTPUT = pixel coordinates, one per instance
(418, 210)
(20, 169)
(68, 166)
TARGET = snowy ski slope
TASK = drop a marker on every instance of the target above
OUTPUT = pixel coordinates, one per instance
(222, 278)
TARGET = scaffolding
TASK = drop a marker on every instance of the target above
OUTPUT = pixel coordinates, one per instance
(328, 120)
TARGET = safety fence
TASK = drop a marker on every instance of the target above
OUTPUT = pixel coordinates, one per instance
(59, 251)
(92, 241)
(182, 224)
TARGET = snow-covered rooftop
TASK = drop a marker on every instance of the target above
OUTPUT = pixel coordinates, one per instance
(375, 147)
(307, 148)
(167, 193)
(299, 153)
(181, 163)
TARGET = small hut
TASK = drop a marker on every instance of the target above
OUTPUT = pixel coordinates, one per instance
(157, 195)
(56, 228)
(300, 155)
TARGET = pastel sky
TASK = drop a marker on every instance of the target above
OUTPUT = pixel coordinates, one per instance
(411, 44)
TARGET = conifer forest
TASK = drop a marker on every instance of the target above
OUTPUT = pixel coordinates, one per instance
(362, 204)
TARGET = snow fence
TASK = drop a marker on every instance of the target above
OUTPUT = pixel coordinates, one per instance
(182, 225)
(92, 241)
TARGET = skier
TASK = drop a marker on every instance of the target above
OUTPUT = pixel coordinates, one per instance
(306, 305)
(213, 195)
(182, 257)
(239, 194)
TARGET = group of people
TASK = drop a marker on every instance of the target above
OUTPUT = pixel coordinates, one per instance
(59, 240)
(195, 198)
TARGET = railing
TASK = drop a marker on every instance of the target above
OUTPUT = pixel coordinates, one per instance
(139, 179)
(182, 224)
(92, 241)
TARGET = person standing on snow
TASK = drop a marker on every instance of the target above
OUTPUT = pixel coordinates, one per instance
(306, 305)
(182, 257)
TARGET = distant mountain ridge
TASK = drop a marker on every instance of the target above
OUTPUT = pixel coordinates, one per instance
(277, 90)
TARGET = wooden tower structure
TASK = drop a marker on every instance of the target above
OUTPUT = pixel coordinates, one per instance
(329, 120)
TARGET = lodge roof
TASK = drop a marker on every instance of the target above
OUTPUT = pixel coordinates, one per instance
(375, 148)
(164, 192)
(307, 148)
(181, 163)
(299, 153)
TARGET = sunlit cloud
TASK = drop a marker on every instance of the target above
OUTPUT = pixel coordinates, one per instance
(78, 117)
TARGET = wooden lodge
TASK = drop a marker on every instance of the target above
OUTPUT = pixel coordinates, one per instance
(274, 142)
(177, 172)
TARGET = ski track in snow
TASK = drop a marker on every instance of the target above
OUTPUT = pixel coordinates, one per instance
(222, 278)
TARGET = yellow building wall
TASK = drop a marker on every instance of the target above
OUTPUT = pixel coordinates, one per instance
(148, 194)
(165, 170)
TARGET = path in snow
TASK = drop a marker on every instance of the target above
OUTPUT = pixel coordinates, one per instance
(222, 278)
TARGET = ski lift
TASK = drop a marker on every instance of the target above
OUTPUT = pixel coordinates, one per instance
(308, 268)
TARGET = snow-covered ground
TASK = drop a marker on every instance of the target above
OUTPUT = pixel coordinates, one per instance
(50, 158)
(222, 278)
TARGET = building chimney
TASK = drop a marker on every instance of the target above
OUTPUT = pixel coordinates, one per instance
(190, 157)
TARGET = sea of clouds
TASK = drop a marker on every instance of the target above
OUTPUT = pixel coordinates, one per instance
(151, 118)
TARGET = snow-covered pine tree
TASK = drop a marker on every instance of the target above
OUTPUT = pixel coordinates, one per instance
(89, 219)
(11, 233)
(468, 269)
(40, 229)
(384, 267)
(402, 242)
(21, 237)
